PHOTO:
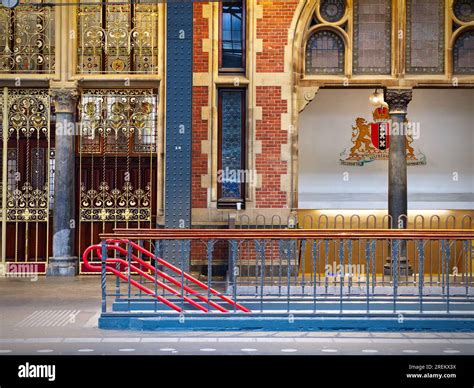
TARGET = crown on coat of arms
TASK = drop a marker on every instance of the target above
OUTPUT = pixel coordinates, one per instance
(381, 114)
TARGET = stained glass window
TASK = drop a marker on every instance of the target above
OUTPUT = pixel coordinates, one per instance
(464, 53)
(325, 53)
(425, 36)
(372, 35)
(232, 35)
(464, 10)
(231, 174)
(332, 10)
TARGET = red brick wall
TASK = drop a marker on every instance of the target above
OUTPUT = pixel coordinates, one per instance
(268, 162)
(199, 160)
(200, 99)
(273, 30)
(200, 32)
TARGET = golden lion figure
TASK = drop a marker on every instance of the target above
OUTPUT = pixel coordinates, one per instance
(410, 150)
(361, 136)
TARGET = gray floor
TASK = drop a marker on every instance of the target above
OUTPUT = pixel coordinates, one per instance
(59, 316)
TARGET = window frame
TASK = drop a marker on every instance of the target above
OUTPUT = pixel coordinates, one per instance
(231, 203)
(238, 70)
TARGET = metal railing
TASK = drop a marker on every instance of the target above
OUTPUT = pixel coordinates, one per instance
(297, 271)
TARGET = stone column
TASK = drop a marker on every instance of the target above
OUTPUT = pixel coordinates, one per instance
(398, 100)
(63, 262)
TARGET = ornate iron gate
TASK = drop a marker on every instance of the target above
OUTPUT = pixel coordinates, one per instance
(27, 182)
(117, 162)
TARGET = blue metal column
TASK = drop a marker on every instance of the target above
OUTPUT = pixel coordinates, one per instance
(179, 78)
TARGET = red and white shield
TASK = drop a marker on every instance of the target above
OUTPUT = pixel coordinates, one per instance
(380, 135)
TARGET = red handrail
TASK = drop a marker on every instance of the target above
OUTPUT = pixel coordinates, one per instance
(165, 276)
(98, 248)
(123, 277)
(179, 272)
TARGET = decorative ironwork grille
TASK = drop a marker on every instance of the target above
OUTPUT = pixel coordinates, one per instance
(117, 161)
(26, 190)
(117, 38)
(27, 39)
(28, 122)
(121, 124)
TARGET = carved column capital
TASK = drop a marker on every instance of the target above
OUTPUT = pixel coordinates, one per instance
(64, 99)
(398, 100)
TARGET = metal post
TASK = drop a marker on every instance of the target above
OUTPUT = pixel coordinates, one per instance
(129, 274)
(4, 174)
(395, 250)
(157, 254)
(349, 260)
(260, 253)
(341, 274)
(183, 260)
(315, 252)
(447, 258)
(421, 269)
(374, 267)
(104, 276)
(210, 248)
(117, 279)
(466, 265)
(367, 272)
(262, 273)
(232, 268)
(302, 253)
(288, 273)
(140, 256)
(326, 258)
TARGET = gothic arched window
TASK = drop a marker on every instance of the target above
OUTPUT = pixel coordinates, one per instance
(325, 53)
(463, 53)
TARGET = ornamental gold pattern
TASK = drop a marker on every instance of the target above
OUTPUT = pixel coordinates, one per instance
(107, 204)
(27, 39)
(29, 113)
(115, 39)
(115, 124)
(116, 116)
(27, 204)
(28, 118)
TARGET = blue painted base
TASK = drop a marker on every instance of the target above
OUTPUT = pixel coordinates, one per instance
(379, 322)
(324, 304)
